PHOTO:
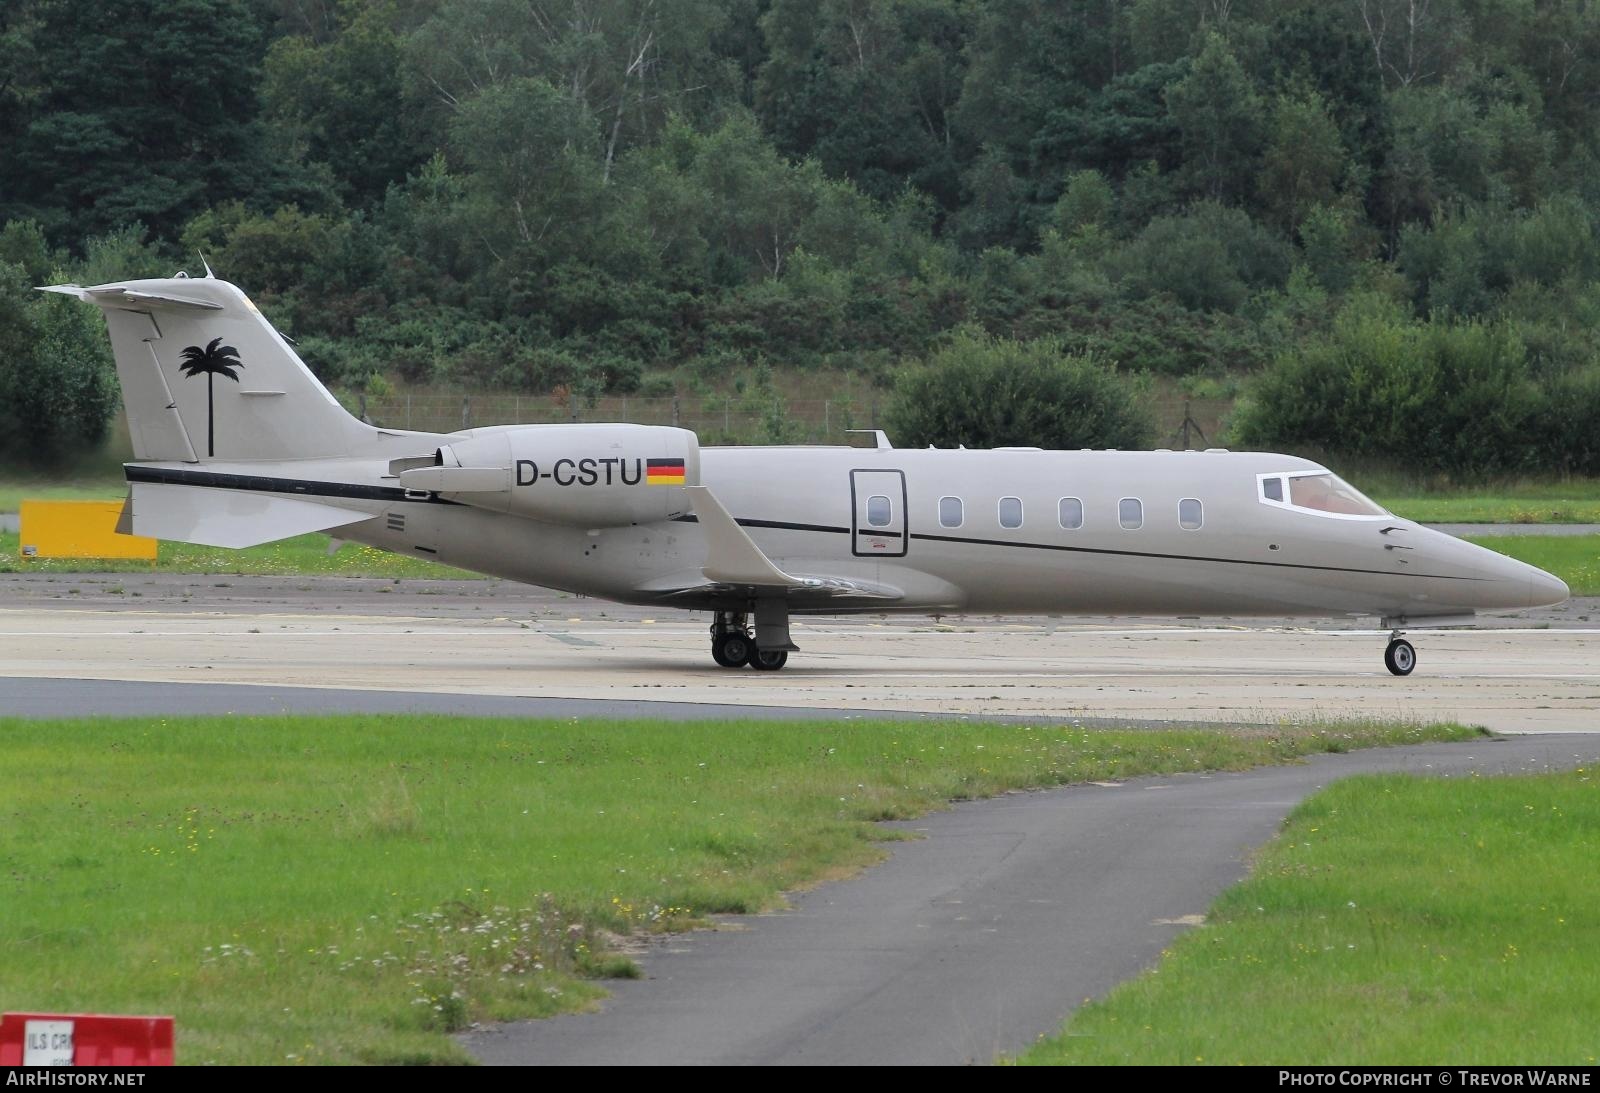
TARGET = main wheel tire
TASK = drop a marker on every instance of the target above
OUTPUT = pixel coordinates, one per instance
(1400, 657)
(732, 650)
(769, 660)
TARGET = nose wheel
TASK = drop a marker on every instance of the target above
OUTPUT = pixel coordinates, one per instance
(1400, 657)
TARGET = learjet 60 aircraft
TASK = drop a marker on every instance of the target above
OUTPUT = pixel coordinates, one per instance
(237, 443)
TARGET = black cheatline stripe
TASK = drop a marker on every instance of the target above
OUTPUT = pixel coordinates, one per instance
(781, 525)
(299, 487)
(1186, 557)
(787, 526)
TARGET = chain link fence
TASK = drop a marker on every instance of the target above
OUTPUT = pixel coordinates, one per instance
(1180, 423)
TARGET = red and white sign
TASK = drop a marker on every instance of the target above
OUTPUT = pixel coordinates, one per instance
(84, 1039)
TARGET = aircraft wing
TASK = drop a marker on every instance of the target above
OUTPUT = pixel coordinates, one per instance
(735, 564)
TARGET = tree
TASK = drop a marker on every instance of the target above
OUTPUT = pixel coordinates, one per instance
(1413, 41)
(867, 88)
(986, 392)
(345, 103)
(58, 391)
(144, 110)
(624, 66)
(1209, 258)
(1304, 160)
(1219, 116)
(214, 360)
(1122, 125)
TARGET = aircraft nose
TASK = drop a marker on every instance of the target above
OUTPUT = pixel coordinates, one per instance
(1497, 583)
(1546, 589)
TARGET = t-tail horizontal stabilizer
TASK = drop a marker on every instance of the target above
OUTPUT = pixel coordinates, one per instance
(225, 518)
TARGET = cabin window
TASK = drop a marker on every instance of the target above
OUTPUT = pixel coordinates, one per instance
(1071, 513)
(1130, 513)
(878, 511)
(1272, 489)
(949, 512)
(1190, 514)
(1011, 512)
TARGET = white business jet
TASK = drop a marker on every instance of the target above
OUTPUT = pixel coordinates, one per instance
(237, 443)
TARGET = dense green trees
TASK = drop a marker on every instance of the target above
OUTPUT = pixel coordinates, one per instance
(57, 388)
(585, 192)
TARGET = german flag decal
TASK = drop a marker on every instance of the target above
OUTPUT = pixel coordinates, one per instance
(664, 472)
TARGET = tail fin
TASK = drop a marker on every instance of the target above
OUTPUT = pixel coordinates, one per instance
(206, 378)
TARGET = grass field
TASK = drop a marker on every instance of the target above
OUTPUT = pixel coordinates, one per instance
(351, 889)
(304, 555)
(1575, 501)
(12, 494)
(1396, 921)
(1573, 558)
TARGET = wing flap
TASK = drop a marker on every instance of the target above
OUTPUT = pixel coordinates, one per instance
(813, 590)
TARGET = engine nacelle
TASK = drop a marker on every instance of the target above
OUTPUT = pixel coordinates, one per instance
(586, 475)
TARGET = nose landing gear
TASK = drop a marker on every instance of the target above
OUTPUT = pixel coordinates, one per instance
(1400, 657)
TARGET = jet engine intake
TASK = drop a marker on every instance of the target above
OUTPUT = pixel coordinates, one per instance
(581, 475)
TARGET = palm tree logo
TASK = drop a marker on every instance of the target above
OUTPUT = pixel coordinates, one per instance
(212, 361)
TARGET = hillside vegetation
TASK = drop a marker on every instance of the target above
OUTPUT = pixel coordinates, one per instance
(1375, 218)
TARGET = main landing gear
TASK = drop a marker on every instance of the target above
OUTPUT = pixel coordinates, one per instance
(733, 645)
(1399, 657)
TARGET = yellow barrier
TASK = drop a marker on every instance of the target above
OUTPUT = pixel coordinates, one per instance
(79, 529)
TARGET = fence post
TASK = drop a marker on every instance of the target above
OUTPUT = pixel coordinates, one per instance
(574, 398)
(624, 407)
(827, 418)
(466, 411)
(675, 412)
(727, 415)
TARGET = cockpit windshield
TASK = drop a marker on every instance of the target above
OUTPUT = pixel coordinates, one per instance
(1318, 491)
(1330, 493)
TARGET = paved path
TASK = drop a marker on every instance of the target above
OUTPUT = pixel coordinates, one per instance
(976, 940)
(1517, 529)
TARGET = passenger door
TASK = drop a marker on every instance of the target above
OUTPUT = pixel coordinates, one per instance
(878, 506)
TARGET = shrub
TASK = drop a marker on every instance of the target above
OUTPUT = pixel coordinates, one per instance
(1446, 397)
(984, 392)
(58, 390)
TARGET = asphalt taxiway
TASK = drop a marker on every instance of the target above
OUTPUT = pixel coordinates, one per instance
(495, 647)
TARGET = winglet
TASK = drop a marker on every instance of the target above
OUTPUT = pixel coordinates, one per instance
(732, 557)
